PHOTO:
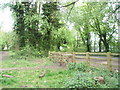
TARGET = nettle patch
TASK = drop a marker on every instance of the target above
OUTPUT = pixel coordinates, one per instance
(90, 77)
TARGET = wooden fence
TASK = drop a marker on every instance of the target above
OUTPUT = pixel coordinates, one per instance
(66, 57)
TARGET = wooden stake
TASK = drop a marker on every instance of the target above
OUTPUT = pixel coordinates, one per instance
(61, 59)
(88, 58)
(109, 65)
(73, 55)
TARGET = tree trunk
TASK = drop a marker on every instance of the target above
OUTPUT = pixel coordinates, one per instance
(100, 45)
(106, 44)
(88, 45)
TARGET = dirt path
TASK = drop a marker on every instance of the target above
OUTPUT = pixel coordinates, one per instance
(33, 68)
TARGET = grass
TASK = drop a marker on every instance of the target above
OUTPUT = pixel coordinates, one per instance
(31, 79)
(13, 63)
(55, 78)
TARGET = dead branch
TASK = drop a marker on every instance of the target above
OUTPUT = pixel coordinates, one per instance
(70, 3)
(70, 11)
(43, 74)
(7, 76)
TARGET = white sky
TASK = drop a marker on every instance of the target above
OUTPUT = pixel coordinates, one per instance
(6, 20)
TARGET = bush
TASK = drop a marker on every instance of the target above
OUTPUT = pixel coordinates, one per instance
(71, 66)
(82, 66)
(83, 79)
(80, 80)
(26, 52)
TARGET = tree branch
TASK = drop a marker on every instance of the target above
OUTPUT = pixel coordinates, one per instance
(111, 35)
(116, 9)
(70, 3)
(70, 11)
(92, 26)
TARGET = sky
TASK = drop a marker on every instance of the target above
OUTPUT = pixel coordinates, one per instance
(6, 20)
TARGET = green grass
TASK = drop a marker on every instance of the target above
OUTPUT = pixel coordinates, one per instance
(30, 78)
(12, 63)
(18, 63)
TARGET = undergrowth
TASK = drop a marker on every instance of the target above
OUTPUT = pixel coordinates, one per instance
(84, 77)
(26, 53)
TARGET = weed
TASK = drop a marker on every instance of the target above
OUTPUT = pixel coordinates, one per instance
(71, 66)
(84, 79)
(82, 66)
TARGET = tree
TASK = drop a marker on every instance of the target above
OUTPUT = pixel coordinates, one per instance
(27, 23)
(51, 23)
(104, 29)
(80, 20)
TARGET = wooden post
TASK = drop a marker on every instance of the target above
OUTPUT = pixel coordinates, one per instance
(109, 61)
(88, 58)
(73, 57)
(60, 59)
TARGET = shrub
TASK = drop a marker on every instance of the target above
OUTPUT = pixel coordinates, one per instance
(80, 80)
(82, 66)
(83, 79)
(26, 52)
(71, 66)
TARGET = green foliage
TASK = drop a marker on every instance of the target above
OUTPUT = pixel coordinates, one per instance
(8, 40)
(86, 79)
(26, 53)
(71, 66)
(80, 80)
(79, 67)
(63, 38)
(50, 13)
(91, 20)
(82, 66)
(46, 29)
(51, 24)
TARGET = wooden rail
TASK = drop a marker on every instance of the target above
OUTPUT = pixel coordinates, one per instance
(66, 57)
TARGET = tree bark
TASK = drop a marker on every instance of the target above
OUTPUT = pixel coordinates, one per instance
(100, 45)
